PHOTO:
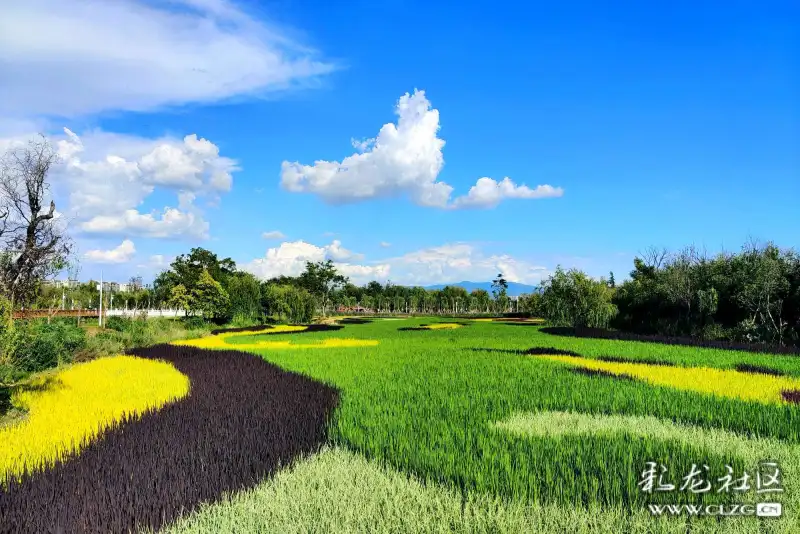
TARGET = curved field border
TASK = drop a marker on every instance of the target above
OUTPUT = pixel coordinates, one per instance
(243, 420)
(265, 329)
(66, 410)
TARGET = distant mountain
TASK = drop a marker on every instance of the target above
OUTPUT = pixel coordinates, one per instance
(514, 289)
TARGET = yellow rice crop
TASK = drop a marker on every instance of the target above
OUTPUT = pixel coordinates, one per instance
(442, 326)
(69, 409)
(218, 341)
(721, 382)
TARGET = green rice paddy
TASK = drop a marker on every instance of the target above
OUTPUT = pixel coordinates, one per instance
(458, 430)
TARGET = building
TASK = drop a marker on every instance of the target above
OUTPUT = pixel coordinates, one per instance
(109, 286)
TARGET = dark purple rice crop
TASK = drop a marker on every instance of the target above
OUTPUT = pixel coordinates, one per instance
(264, 329)
(618, 359)
(791, 395)
(758, 369)
(549, 351)
(243, 420)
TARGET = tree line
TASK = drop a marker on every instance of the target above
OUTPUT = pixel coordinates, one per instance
(201, 283)
(752, 295)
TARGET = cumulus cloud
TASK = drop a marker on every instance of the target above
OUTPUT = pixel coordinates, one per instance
(458, 262)
(453, 262)
(107, 177)
(172, 223)
(205, 50)
(488, 193)
(289, 258)
(404, 159)
(273, 234)
(121, 254)
(157, 262)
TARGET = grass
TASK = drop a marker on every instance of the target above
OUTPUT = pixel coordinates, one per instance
(67, 409)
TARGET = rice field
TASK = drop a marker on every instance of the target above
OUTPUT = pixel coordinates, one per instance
(67, 410)
(486, 426)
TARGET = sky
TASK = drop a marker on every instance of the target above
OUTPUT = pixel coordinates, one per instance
(409, 141)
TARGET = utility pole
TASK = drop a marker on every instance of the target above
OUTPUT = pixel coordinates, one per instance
(100, 316)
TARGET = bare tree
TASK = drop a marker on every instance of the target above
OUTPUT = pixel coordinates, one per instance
(33, 246)
(654, 257)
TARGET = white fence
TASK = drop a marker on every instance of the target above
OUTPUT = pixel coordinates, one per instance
(150, 313)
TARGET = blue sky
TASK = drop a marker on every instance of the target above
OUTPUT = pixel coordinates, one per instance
(619, 126)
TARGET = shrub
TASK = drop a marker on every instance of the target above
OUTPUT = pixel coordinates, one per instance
(5, 399)
(119, 324)
(193, 323)
(38, 345)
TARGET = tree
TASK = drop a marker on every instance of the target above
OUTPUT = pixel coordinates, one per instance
(245, 296)
(499, 286)
(181, 299)
(571, 298)
(320, 279)
(34, 246)
(288, 302)
(611, 282)
(210, 297)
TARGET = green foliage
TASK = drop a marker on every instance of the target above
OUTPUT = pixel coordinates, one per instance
(320, 279)
(245, 297)
(499, 286)
(117, 323)
(531, 304)
(193, 323)
(751, 296)
(37, 345)
(210, 297)
(288, 303)
(571, 298)
(181, 299)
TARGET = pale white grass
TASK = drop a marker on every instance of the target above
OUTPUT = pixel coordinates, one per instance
(337, 491)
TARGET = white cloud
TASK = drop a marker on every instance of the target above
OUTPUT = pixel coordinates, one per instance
(404, 159)
(384, 244)
(336, 252)
(107, 177)
(459, 262)
(488, 193)
(157, 262)
(443, 264)
(137, 55)
(273, 234)
(122, 254)
(289, 258)
(173, 223)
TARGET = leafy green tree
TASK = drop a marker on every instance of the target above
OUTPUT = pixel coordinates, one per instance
(186, 269)
(245, 296)
(288, 303)
(210, 297)
(571, 298)
(320, 279)
(499, 286)
(611, 282)
(181, 299)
